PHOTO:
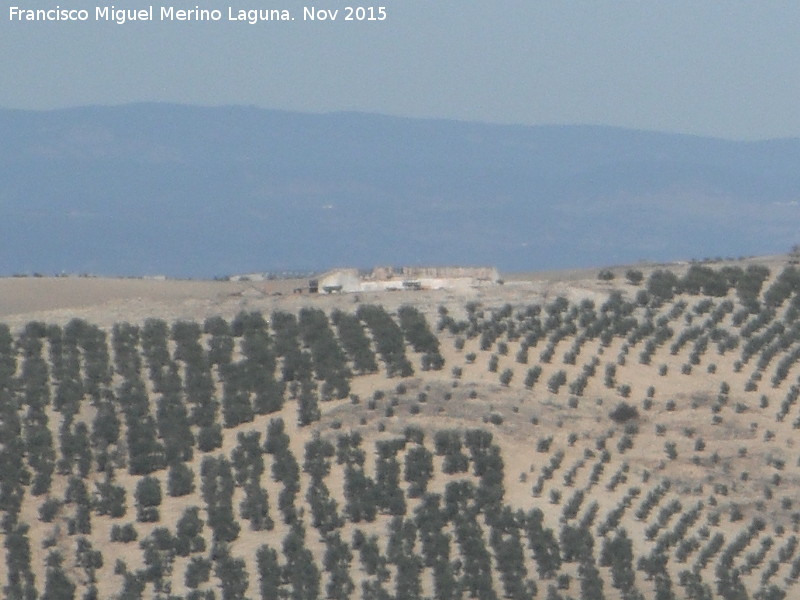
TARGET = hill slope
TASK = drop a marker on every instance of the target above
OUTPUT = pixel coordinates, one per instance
(603, 441)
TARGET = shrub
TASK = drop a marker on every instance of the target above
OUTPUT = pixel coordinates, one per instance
(669, 448)
(624, 412)
(123, 533)
(634, 276)
(532, 376)
(496, 419)
(49, 510)
(210, 438)
(180, 480)
(736, 513)
(555, 382)
(605, 275)
(148, 498)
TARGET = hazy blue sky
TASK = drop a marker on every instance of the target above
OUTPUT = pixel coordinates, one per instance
(728, 69)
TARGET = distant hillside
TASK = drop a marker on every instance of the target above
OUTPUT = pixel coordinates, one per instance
(190, 191)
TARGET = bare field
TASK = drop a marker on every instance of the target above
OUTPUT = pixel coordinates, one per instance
(105, 301)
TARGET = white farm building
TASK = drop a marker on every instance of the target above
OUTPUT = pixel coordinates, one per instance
(407, 278)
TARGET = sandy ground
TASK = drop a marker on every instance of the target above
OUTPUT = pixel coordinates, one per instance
(105, 301)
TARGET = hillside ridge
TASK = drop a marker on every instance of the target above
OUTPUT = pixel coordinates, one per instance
(147, 189)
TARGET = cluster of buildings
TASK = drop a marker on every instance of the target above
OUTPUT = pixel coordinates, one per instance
(404, 278)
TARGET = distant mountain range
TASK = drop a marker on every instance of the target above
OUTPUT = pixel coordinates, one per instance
(197, 192)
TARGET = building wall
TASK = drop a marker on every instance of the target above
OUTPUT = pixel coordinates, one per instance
(478, 273)
(389, 278)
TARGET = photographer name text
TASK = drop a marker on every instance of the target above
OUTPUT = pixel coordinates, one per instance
(121, 16)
